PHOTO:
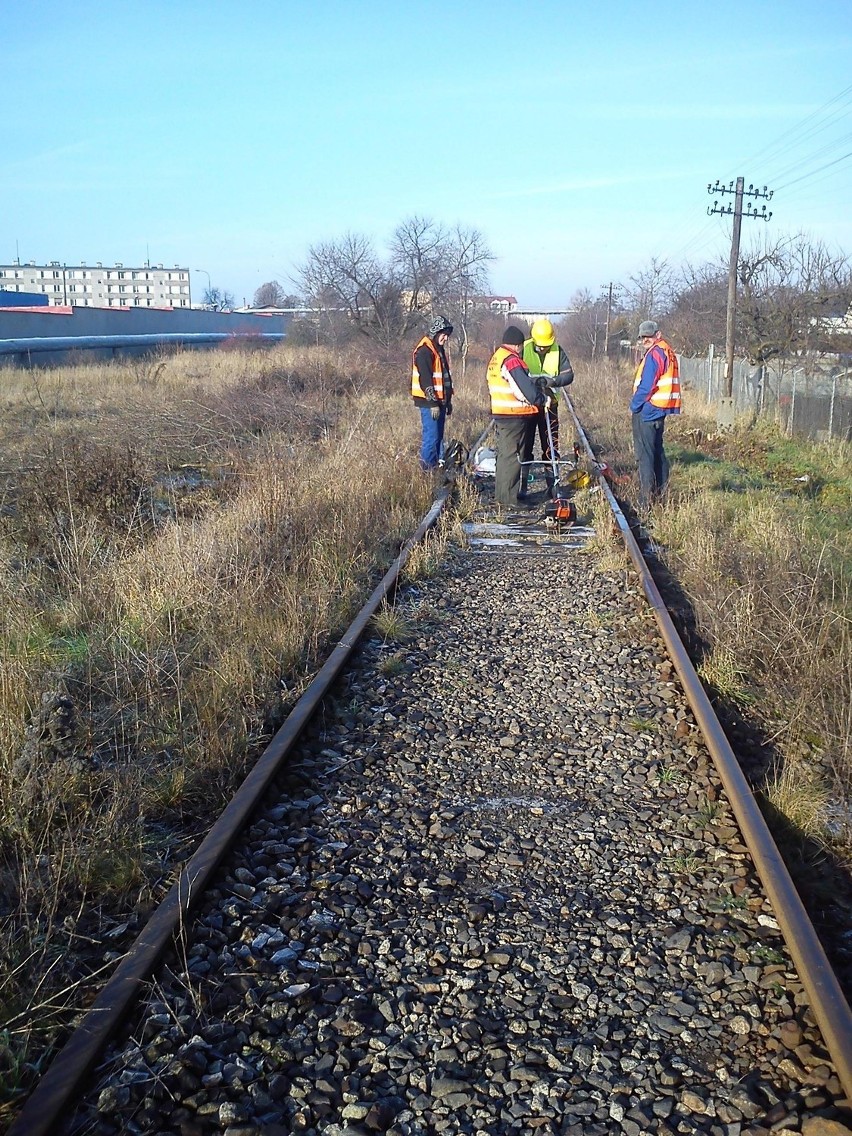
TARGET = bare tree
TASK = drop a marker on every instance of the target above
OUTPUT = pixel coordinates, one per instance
(789, 286)
(428, 269)
(697, 311)
(347, 276)
(649, 292)
(418, 254)
(469, 260)
(271, 295)
(585, 327)
(218, 299)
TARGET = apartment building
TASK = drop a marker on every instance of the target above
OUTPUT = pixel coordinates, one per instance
(94, 286)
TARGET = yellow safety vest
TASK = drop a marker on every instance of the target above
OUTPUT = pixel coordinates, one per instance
(536, 365)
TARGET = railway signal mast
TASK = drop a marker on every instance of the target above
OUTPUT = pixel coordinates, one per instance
(735, 210)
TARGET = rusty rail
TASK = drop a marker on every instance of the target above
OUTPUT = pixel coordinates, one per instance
(44, 1109)
(827, 1001)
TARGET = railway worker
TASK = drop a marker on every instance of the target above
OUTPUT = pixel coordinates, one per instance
(432, 389)
(515, 399)
(544, 357)
(656, 395)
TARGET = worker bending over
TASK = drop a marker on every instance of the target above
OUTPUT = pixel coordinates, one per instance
(515, 400)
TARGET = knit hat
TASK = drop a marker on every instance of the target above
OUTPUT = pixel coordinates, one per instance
(439, 324)
(647, 327)
(514, 336)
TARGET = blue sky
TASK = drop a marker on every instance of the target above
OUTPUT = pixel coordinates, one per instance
(578, 138)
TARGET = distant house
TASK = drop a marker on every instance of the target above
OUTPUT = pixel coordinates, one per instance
(499, 305)
(838, 323)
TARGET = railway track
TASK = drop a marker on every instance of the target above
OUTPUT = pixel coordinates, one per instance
(499, 886)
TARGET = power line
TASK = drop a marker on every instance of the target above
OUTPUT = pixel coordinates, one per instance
(813, 173)
(832, 111)
(823, 151)
(797, 128)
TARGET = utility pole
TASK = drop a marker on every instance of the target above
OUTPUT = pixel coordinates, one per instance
(726, 404)
(608, 317)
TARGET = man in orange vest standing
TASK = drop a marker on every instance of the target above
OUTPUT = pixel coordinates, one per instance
(656, 395)
(432, 389)
(515, 399)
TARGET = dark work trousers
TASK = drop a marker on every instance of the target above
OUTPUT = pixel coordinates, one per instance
(512, 431)
(651, 459)
(541, 427)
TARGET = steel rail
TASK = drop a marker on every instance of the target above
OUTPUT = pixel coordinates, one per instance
(55, 1092)
(825, 995)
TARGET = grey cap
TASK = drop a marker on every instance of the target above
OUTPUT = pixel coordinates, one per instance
(647, 327)
(514, 335)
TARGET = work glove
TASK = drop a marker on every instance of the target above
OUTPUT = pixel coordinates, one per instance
(429, 392)
(449, 409)
(563, 379)
(435, 411)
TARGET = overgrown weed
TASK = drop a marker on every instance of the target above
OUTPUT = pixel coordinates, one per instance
(755, 530)
(183, 542)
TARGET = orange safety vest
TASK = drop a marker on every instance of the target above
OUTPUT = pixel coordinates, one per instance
(503, 397)
(665, 393)
(437, 371)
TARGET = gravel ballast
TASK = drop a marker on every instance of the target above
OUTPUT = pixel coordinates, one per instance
(499, 891)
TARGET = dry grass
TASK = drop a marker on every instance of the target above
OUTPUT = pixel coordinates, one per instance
(606, 545)
(179, 541)
(767, 569)
(801, 795)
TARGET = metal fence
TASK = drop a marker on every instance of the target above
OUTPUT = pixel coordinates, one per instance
(812, 398)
